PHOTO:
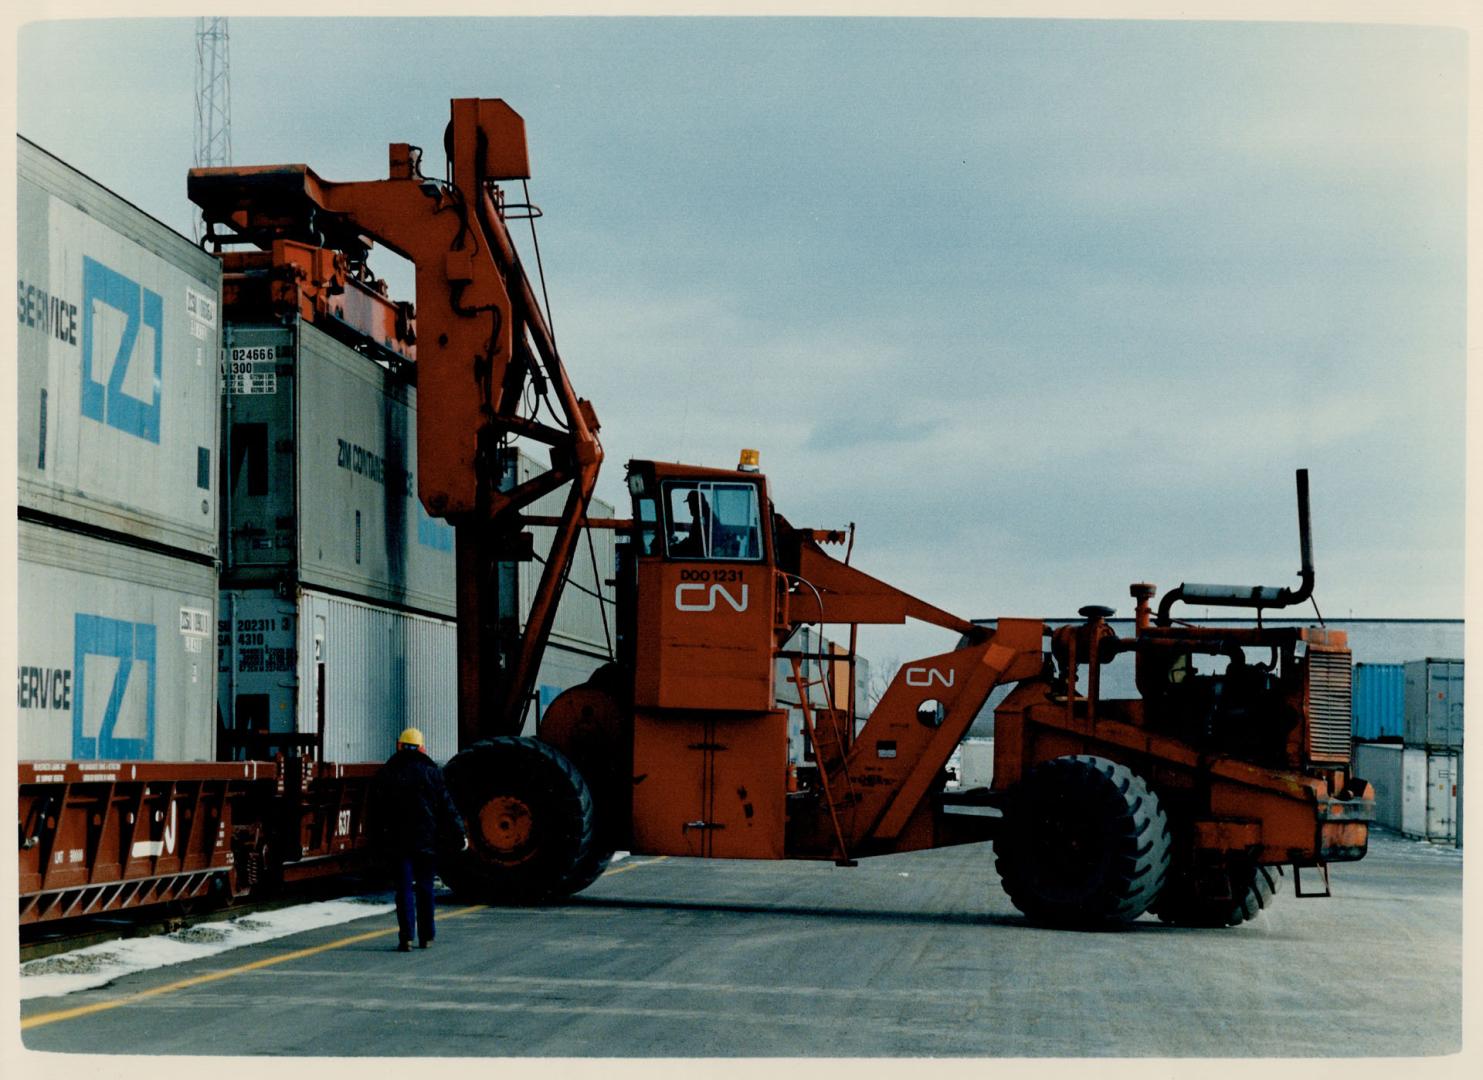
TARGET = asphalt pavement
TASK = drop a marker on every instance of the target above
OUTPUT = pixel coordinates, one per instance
(912, 955)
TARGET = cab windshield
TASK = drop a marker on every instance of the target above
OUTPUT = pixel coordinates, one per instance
(707, 519)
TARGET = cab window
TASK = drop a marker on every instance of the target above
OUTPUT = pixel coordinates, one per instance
(707, 519)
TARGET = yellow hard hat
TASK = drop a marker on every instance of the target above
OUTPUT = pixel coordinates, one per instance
(410, 737)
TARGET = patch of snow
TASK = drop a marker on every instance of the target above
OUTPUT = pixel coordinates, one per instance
(98, 965)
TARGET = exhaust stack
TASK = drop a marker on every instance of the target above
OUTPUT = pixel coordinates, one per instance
(1254, 596)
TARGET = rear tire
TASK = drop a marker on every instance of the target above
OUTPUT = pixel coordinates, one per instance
(1084, 843)
(1244, 892)
(530, 823)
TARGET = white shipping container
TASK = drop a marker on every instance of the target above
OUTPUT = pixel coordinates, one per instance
(583, 622)
(977, 763)
(118, 348)
(354, 672)
(1430, 786)
(114, 650)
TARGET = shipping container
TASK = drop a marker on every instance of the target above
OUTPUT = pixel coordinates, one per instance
(351, 673)
(118, 352)
(1431, 783)
(585, 619)
(320, 445)
(1380, 764)
(1434, 703)
(114, 651)
(815, 648)
(976, 757)
(1379, 703)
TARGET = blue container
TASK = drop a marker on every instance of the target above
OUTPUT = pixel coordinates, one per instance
(1379, 701)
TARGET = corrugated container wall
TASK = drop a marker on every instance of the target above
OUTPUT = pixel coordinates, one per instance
(1431, 790)
(1434, 703)
(355, 673)
(321, 449)
(1380, 764)
(583, 622)
(114, 651)
(118, 350)
(1379, 703)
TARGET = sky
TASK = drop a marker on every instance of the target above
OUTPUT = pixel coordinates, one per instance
(1044, 308)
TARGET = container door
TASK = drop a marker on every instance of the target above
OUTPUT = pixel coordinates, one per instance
(1441, 796)
(1413, 792)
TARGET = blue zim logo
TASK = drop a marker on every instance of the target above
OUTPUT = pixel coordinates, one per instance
(108, 403)
(130, 644)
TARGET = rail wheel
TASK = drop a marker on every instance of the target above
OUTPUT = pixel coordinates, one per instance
(530, 823)
(1084, 843)
(1234, 897)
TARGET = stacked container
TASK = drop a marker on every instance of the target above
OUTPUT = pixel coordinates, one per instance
(118, 352)
(1432, 763)
(1379, 702)
(338, 589)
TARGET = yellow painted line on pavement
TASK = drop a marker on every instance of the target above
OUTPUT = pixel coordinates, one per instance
(634, 866)
(214, 976)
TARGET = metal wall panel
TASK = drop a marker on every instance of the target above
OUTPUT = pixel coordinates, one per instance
(322, 451)
(580, 617)
(1442, 782)
(114, 652)
(1380, 764)
(1379, 704)
(118, 351)
(976, 763)
(1434, 700)
(381, 670)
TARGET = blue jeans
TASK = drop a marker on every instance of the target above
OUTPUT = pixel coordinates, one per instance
(414, 884)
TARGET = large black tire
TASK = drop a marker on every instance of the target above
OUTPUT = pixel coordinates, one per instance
(1231, 898)
(530, 822)
(1084, 842)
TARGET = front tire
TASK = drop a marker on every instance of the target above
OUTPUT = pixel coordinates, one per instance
(530, 823)
(1084, 842)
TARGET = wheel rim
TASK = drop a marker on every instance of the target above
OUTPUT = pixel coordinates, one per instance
(507, 829)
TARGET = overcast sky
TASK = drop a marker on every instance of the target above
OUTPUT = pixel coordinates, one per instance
(1044, 307)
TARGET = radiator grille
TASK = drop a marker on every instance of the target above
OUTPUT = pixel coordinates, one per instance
(1329, 675)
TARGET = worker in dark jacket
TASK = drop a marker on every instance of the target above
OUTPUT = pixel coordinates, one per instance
(412, 816)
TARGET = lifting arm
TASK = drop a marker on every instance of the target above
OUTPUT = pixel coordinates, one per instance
(483, 350)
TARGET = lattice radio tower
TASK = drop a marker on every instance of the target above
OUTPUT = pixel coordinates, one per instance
(213, 97)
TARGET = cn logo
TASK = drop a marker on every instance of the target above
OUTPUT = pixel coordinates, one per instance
(921, 676)
(707, 598)
(153, 849)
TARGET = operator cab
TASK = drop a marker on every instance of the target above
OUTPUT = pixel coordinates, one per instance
(694, 514)
(703, 597)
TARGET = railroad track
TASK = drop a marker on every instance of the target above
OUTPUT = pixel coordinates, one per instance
(39, 940)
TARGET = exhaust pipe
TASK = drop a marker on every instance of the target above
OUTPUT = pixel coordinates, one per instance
(1254, 596)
